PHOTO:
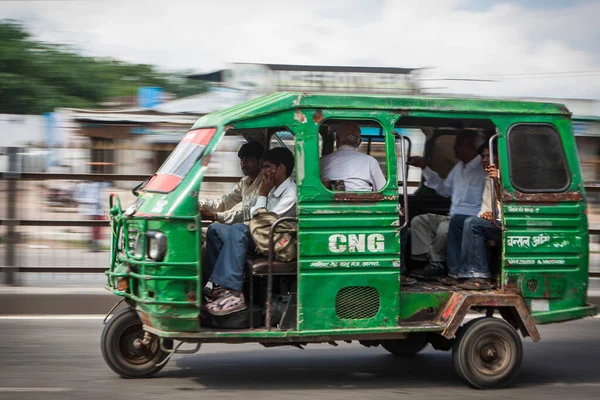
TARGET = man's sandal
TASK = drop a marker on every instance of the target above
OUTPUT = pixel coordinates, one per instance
(230, 303)
(476, 284)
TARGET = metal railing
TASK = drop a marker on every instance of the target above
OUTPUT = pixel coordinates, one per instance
(11, 221)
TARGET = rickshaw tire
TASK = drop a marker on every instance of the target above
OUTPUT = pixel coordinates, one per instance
(469, 347)
(411, 346)
(111, 346)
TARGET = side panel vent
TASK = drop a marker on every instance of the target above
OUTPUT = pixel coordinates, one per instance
(357, 302)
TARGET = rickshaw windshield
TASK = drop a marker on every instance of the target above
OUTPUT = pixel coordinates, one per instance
(181, 160)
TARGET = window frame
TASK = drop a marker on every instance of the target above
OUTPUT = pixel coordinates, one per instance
(386, 171)
(510, 158)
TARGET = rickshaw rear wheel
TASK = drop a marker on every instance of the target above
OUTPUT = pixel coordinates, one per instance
(413, 344)
(487, 353)
(121, 349)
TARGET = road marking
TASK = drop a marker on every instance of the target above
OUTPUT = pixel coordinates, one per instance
(564, 384)
(34, 390)
(67, 317)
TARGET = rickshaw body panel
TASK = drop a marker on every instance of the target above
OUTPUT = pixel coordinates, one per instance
(353, 241)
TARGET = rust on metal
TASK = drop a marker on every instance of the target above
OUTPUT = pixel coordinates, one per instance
(123, 284)
(298, 116)
(450, 309)
(359, 197)
(191, 297)
(318, 116)
(206, 160)
(511, 306)
(542, 197)
(144, 317)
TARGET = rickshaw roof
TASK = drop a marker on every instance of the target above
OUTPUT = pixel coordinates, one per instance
(282, 101)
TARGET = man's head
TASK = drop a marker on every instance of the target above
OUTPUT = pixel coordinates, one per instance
(484, 152)
(465, 146)
(251, 156)
(348, 133)
(280, 163)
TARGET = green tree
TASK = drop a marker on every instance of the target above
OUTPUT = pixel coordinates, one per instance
(38, 77)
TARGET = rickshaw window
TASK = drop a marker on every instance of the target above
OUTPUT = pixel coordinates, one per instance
(373, 144)
(537, 159)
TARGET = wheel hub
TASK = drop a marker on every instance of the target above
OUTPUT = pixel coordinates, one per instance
(134, 348)
(489, 353)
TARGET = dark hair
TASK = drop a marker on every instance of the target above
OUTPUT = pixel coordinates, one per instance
(467, 137)
(281, 155)
(251, 149)
(485, 145)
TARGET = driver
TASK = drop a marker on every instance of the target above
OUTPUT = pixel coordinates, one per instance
(245, 191)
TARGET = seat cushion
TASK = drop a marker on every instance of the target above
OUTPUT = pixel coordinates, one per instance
(259, 266)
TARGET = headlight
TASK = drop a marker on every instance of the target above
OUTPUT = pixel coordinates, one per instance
(157, 246)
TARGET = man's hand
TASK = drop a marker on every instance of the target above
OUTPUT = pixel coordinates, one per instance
(417, 161)
(208, 214)
(492, 171)
(266, 183)
(487, 216)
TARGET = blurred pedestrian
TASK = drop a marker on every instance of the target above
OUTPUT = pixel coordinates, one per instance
(90, 198)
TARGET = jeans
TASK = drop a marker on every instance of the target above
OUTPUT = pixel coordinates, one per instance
(226, 248)
(467, 255)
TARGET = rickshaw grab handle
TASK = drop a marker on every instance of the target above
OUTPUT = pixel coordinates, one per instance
(270, 268)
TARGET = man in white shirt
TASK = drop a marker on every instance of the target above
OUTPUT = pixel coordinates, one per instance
(467, 255)
(360, 172)
(245, 191)
(464, 184)
(227, 245)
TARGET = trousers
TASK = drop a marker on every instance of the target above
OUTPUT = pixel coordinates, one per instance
(428, 237)
(226, 248)
(467, 255)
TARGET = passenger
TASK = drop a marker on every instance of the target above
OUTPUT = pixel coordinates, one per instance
(359, 172)
(467, 257)
(464, 184)
(245, 191)
(227, 245)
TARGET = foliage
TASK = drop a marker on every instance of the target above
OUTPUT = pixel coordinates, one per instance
(38, 77)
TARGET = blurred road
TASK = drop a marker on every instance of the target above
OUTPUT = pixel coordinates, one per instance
(60, 359)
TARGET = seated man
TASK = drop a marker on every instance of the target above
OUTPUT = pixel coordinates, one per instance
(467, 258)
(245, 191)
(359, 172)
(227, 245)
(464, 184)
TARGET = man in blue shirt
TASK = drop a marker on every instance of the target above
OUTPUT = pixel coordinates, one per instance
(464, 184)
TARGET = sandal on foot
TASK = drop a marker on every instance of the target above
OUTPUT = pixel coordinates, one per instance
(214, 293)
(476, 284)
(407, 280)
(231, 302)
(448, 281)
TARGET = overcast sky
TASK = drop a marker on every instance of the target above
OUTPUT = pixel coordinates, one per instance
(536, 48)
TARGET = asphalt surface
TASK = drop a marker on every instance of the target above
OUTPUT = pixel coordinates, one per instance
(61, 359)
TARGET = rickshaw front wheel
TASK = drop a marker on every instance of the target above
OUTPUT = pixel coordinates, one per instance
(487, 353)
(122, 349)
